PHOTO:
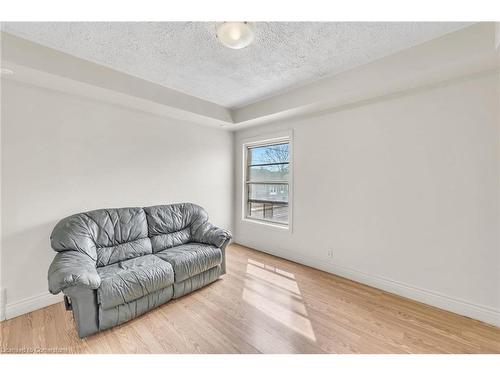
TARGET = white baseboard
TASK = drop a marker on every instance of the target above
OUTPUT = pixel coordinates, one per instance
(457, 306)
(29, 304)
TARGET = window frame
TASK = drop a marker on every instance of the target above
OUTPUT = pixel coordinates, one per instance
(285, 137)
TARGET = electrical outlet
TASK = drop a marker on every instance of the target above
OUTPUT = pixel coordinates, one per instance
(329, 253)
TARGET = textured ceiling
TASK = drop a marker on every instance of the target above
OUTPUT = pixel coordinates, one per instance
(187, 57)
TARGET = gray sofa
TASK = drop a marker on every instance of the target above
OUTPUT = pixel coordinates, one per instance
(115, 264)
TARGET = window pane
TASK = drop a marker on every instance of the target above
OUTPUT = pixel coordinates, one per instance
(268, 154)
(268, 192)
(268, 173)
(277, 212)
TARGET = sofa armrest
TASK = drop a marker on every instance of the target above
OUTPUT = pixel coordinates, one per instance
(211, 235)
(72, 268)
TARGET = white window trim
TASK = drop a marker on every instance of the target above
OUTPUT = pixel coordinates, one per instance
(261, 141)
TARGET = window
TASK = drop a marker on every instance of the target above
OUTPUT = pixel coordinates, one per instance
(267, 181)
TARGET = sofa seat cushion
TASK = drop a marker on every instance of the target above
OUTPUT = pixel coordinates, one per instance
(131, 279)
(191, 259)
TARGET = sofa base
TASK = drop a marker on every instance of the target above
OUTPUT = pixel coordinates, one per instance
(85, 309)
(90, 318)
(128, 311)
(196, 282)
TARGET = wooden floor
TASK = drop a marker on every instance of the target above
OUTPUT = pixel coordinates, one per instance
(265, 305)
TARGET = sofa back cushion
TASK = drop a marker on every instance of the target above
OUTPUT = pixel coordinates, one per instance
(171, 225)
(127, 250)
(107, 235)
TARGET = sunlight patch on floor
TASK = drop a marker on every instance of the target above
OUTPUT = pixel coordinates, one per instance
(272, 268)
(273, 278)
(262, 286)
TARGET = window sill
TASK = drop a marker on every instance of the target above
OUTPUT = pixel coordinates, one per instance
(266, 223)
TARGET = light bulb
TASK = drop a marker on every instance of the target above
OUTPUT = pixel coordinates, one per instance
(235, 35)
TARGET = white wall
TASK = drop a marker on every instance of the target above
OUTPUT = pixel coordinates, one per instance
(2, 294)
(63, 154)
(404, 190)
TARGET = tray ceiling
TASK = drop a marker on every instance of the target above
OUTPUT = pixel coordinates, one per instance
(186, 56)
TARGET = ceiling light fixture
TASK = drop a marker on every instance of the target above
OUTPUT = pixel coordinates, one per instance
(235, 35)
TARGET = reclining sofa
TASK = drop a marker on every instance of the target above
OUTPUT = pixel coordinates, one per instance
(115, 264)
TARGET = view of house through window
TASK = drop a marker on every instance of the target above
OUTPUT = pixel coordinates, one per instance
(267, 182)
